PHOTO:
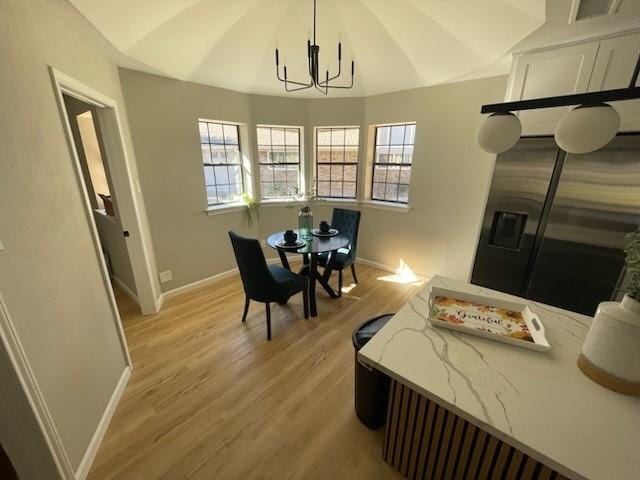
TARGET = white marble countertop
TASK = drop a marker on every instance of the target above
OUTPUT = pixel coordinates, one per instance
(538, 402)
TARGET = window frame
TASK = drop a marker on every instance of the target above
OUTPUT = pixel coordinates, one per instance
(374, 163)
(299, 163)
(240, 163)
(344, 163)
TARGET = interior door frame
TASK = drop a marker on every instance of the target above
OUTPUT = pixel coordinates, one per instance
(126, 189)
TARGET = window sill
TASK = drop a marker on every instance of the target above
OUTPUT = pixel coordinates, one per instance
(225, 208)
(282, 202)
(293, 203)
(391, 207)
(338, 201)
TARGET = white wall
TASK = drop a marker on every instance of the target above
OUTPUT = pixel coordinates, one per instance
(49, 272)
(449, 180)
(449, 183)
(164, 117)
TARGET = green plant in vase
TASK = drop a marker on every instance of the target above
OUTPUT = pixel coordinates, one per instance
(253, 208)
(633, 263)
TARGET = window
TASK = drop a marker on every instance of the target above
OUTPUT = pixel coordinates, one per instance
(279, 158)
(337, 162)
(222, 161)
(392, 163)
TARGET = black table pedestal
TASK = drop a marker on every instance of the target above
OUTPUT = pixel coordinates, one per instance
(310, 270)
(310, 252)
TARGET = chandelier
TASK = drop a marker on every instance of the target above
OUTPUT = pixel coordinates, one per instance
(313, 60)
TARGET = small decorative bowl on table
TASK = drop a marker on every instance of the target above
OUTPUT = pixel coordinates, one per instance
(290, 240)
(325, 230)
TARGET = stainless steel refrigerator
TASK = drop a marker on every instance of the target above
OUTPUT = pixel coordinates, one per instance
(554, 225)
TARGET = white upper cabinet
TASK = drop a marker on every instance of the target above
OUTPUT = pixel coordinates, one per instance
(613, 68)
(586, 67)
(560, 71)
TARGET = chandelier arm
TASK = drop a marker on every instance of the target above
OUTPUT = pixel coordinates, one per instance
(342, 86)
(322, 84)
(345, 87)
(353, 72)
(313, 50)
(278, 74)
(303, 87)
(286, 80)
(324, 92)
(292, 82)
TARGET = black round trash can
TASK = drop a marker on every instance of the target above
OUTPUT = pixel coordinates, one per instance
(371, 386)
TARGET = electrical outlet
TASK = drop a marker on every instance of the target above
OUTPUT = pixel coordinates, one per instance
(166, 276)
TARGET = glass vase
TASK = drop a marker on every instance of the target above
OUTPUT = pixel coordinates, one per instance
(305, 223)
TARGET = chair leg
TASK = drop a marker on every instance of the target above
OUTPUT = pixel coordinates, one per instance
(268, 321)
(340, 282)
(305, 299)
(353, 271)
(246, 309)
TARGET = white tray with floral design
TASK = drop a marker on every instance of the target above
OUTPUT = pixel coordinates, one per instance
(500, 320)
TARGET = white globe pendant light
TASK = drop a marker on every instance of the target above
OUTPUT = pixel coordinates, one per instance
(587, 128)
(499, 132)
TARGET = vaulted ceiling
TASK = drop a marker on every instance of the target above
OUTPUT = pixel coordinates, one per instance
(397, 44)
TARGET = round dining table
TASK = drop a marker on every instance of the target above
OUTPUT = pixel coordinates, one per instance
(310, 252)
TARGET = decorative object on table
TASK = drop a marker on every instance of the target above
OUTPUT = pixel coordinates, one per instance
(290, 245)
(588, 127)
(324, 226)
(496, 319)
(611, 352)
(332, 232)
(347, 222)
(305, 222)
(290, 237)
(265, 283)
(253, 209)
(314, 78)
(290, 240)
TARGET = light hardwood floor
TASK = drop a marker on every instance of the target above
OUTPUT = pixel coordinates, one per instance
(211, 398)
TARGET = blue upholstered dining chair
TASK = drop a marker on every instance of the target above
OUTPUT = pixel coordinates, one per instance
(347, 222)
(265, 283)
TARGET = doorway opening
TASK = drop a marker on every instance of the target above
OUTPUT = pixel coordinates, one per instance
(112, 185)
(94, 165)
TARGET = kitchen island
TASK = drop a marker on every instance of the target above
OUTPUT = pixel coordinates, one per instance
(463, 406)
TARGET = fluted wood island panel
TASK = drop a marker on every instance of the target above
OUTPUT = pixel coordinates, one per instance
(425, 441)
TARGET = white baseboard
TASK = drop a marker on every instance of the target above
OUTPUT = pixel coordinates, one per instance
(101, 429)
(159, 302)
(197, 284)
(219, 276)
(274, 260)
(379, 266)
(205, 281)
(386, 268)
(126, 289)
